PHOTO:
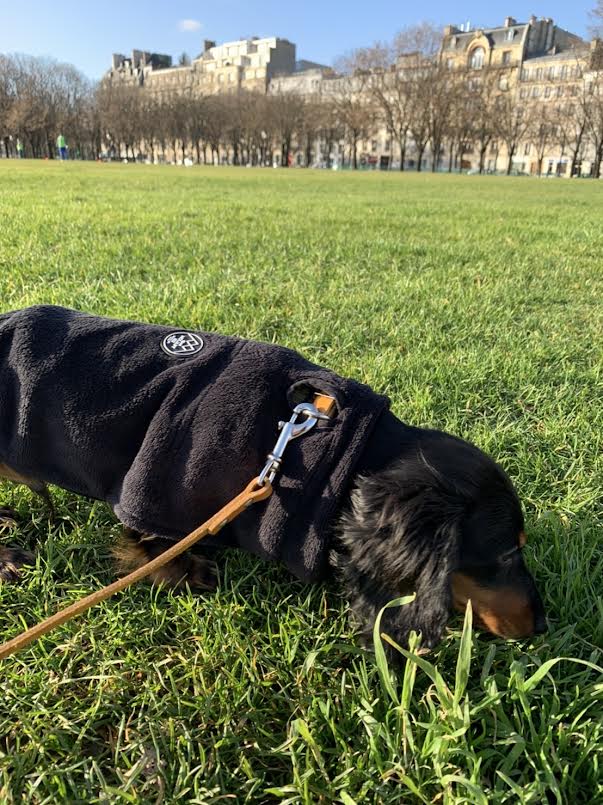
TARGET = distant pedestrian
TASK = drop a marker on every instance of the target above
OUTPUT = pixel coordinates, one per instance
(62, 146)
(20, 150)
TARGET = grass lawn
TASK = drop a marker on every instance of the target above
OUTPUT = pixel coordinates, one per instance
(476, 304)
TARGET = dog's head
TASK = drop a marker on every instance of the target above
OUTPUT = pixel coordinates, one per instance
(443, 521)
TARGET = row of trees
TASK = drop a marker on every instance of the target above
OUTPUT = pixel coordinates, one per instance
(425, 108)
(40, 98)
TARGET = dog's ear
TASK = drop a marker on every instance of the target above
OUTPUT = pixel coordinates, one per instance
(399, 536)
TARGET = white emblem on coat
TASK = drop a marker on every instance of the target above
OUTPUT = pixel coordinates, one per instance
(182, 344)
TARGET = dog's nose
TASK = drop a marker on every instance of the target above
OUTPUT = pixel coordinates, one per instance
(540, 624)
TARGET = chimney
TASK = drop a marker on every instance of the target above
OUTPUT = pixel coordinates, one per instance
(510, 21)
(117, 60)
(533, 20)
(208, 44)
(449, 30)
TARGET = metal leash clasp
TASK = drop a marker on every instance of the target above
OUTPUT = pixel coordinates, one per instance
(289, 430)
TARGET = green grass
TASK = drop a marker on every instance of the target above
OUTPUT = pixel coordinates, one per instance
(475, 303)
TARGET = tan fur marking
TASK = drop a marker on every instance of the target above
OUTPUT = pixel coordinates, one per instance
(503, 612)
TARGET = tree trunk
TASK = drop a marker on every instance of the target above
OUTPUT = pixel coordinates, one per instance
(402, 153)
(510, 161)
(420, 152)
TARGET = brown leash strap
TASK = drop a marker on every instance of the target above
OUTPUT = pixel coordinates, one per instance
(253, 493)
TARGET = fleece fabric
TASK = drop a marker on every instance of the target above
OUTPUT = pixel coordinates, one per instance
(168, 425)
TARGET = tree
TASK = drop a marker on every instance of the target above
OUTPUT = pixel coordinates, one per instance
(395, 71)
(480, 110)
(542, 131)
(592, 111)
(571, 130)
(596, 15)
(511, 124)
(355, 111)
(286, 112)
(121, 113)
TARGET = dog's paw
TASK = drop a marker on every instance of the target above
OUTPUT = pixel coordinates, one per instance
(134, 550)
(202, 573)
(195, 572)
(11, 561)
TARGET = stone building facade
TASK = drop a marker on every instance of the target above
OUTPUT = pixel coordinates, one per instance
(248, 64)
(534, 62)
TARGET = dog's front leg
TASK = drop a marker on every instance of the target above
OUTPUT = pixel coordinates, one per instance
(13, 558)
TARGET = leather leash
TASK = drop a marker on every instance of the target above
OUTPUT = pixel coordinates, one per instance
(258, 489)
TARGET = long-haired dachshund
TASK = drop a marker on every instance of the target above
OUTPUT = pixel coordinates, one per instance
(167, 425)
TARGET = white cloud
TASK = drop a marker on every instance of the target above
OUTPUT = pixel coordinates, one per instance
(189, 25)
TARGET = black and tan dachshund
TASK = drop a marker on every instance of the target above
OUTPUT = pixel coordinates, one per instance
(402, 509)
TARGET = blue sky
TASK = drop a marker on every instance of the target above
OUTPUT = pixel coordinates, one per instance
(80, 33)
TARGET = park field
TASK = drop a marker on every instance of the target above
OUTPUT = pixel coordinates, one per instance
(475, 303)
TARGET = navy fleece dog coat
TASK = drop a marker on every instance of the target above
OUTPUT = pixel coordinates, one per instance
(168, 425)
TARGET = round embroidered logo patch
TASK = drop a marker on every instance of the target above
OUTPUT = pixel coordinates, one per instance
(182, 344)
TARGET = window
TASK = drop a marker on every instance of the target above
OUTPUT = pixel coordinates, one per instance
(510, 35)
(539, 74)
(387, 145)
(526, 149)
(550, 73)
(506, 57)
(559, 92)
(476, 60)
(535, 92)
(525, 74)
(503, 83)
(523, 92)
(547, 92)
(449, 64)
(563, 72)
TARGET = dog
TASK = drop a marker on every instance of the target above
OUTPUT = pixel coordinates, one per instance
(167, 425)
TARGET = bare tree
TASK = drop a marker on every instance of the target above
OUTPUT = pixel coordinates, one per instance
(480, 109)
(286, 111)
(120, 113)
(573, 121)
(542, 131)
(596, 15)
(355, 110)
(591, 103)
(511, 125)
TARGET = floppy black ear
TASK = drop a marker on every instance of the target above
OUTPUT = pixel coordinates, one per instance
(400, 535)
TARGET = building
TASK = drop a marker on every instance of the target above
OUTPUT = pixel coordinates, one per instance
(247, 64)
(533, 62)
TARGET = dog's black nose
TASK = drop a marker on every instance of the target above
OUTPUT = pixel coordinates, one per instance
(540, 624)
